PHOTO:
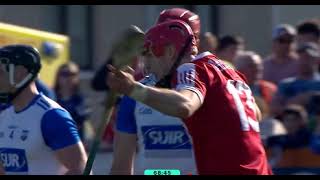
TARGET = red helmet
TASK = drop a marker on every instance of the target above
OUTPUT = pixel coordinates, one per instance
(192, 19)
(174, 32)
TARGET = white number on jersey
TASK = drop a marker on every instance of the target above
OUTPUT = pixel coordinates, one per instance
(237, 88)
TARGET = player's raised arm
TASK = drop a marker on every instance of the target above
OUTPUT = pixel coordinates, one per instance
(125, 142)
(124, 153)
(162, 60)
(2, 171)
(180, 104)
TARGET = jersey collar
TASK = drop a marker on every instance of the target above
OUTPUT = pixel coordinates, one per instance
(202, 55)
(32, 102)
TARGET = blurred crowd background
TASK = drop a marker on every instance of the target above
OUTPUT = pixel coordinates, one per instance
(275, 46)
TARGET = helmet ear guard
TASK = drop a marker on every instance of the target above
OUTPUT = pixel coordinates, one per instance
(15, 55)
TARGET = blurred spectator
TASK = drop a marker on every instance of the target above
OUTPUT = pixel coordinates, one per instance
(313, 108)
(44, 89)
(229, 47)
(308, 31)
(299, 89)
(208, 42)
(250, 64)
(99, 79)
(269, 126)
(295, 120)
(69, 96)
(282, 62)
(315, 140)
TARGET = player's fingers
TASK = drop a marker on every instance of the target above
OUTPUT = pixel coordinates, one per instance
(116, 72)
(120, 74)
(128, 69)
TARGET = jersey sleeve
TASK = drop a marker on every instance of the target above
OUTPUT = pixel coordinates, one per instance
(59, 129)
(126, 121)
(193, 78)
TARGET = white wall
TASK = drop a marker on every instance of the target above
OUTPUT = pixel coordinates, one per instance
(42, 17)
(109, 21)
(293, 14)
(255, 22)
(252, 22)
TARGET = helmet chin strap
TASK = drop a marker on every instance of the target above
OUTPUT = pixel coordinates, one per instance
(8, 97)
(21, 83)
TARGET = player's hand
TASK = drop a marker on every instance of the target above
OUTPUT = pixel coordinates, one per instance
(121, 81)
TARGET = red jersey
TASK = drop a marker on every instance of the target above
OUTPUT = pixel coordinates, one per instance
(224, 130)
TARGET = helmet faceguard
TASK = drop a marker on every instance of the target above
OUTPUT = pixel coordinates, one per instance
(18, 55)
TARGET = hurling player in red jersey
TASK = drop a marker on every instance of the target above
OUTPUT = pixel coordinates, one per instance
(213, 100)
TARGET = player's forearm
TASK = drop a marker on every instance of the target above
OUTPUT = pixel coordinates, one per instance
(73, 158)
(2, 171)
(75, 172)
(122, 165)
(167, 101)
(125, 146)
(121, 171)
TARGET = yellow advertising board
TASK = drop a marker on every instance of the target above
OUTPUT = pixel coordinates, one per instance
(54, 48)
